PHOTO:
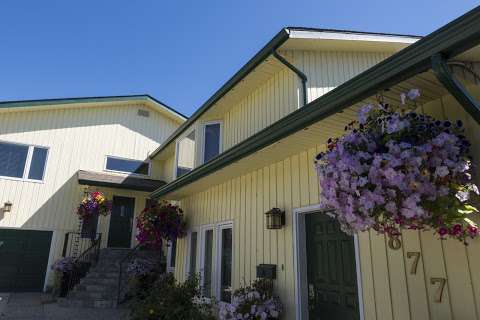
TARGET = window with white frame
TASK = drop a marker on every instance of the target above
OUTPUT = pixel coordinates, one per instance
(210, 255)
(185, 158)
(20, 161)
(130, 166)
(212, 140)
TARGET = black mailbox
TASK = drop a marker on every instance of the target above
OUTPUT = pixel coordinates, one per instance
(267, 271)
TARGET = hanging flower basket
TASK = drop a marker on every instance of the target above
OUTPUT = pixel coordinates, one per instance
(160, 222)
(395, 169)
(94, 203)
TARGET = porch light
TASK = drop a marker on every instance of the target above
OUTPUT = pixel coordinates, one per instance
(7, 206)
(275, 218)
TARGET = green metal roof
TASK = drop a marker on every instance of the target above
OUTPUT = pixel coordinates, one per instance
(61, 101)
(450, 40)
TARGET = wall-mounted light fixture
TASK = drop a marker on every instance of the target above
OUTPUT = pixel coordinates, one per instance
(275, 218)
(7, 206)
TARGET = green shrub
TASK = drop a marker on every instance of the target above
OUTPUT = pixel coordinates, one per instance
(168, 299)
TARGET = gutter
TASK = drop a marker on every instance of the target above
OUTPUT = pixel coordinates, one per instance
(254, 62)
(299, 73)
(455, 87)
(450, 40)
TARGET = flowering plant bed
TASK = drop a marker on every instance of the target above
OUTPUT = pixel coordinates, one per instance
(395, 169)
(255, 302)
(163, 221)
(94, 203)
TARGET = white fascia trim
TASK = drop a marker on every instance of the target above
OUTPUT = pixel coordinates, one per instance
(330, 35)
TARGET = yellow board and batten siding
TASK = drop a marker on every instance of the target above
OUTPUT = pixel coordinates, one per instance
(78, 138)
(391, 289)
(281, 94)
(288, 184)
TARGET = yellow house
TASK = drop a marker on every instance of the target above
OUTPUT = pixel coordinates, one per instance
(251, 148)
(50, 152)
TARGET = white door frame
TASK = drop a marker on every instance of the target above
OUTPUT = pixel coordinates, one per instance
(300, 265)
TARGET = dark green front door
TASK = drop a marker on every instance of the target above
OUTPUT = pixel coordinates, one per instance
(332, 278)
(23, 259)
(121, 222)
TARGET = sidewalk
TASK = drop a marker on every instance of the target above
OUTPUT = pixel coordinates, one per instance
(38, 306)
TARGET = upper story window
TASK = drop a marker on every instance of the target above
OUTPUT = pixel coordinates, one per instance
(21, 161)
(212, 142)
(127, 166)
(185, 155)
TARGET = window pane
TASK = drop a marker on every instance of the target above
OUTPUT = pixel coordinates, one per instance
(37, 167)
(186, 154)
(208, 264)
(173, 254)
(212, 141)
(128, 166)
(12, 159)
(193, 253)
(226, 265)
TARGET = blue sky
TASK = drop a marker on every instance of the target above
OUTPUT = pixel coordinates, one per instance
(180, 52)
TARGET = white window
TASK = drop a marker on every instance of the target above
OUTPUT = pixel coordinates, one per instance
(130, 166)
(212, 140)
(185, 155)
(24, 162)
(210, 253)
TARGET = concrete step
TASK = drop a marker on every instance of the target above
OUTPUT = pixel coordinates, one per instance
(94, 281)
(90, 295)
(95, 288)
(87, 303)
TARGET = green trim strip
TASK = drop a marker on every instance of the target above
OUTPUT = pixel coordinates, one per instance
(443, 74)
(52, 102)
(452, 39)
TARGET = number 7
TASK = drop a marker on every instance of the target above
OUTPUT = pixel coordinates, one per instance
(416, 257)
(439, 293)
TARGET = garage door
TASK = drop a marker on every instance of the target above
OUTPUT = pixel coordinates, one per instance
(23, 259)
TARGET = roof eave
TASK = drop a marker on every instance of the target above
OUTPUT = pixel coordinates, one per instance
(450, 40)
(263, 54)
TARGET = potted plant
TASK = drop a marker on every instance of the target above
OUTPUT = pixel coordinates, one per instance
(254, 302)
(397, 169)
(163, 221)
(63, 269)
(94, 203)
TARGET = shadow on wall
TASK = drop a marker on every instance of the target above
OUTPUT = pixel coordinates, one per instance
(125, 116)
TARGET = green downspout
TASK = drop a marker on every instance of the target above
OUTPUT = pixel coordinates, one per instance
(456, 89)
(299, 73)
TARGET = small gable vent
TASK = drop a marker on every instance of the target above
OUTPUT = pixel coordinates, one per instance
(143, 113)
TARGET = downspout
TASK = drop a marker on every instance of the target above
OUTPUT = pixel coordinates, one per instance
(455, 87)
(299, 73)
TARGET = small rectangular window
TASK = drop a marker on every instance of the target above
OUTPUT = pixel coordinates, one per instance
(185, 155)
(37, 165)
(127, 166)
(17, 159)
(193, 253)
(212, 141)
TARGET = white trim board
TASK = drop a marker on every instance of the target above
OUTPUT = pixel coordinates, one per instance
(300, 266)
